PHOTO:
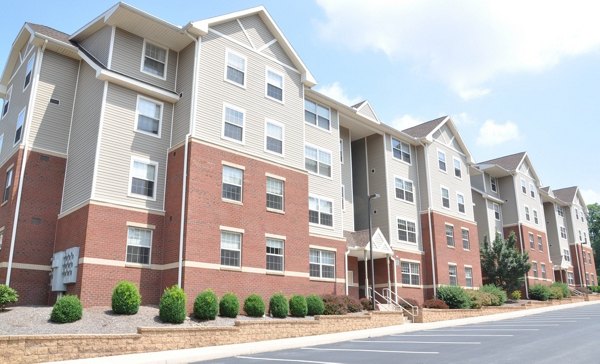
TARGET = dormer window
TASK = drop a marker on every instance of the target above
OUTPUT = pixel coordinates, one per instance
(154, 60)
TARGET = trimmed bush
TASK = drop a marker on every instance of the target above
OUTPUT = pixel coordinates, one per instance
(556, 293)
(408, 303)
(566, 293)
(171, 308)
(481, 299)
(278, 306)
(435, 303)
(515, 295)
(298, 307)
(229, 306)
(206, 305)
(498, 293)
(67, 309)
(314, 305)
(366, 304)
(352, 304)
(7, 296)
(454, 296)
(126, 298)
(254, 306)
(539, 292)
(334, 305)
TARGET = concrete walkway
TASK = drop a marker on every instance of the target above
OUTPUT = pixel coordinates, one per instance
(223, 351)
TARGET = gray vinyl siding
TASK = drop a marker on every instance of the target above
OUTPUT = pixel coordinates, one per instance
(488, 187)
(478, 182)
(119, 142)
(257, 31)
(347, 180)
(555, 242)
(98, 44)
(481, 216)
(509, 207)
(423, 166)
(359, 179)
(275, 51)
(181, 119)
(368, 112)
(127, 59)
(378, 184)
(214, 91)
(232, 29)
(534, 203)
(50, 124)
(577, 224)
(83, 139)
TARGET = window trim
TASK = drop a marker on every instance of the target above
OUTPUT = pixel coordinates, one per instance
(341, 150)
(28, 70)
(231, 231)
(532, 193)
(319, 149)
(543, 271)
(282, 126)
(446, 225)
(223, 121)
(524, 186)
(440, 153)
(229, 51)
(316, 125)
(319, 198)
(562, 229)
(531, 241)
(8, 187)
(164, 76)
(267, 237)
(467, 276)
(454, 160)
(527, 213)
(494, 185)
(282, 195)
(462, 238)
(540, 243)
(442, 188)
(494, 206)
(398, 218)
(334, 252)
(450, 274)
(403, 181)
(225, 199)
(400, 142)
(464, 204)
(6, 103)
(147, 162)
(280, 74)
(137, 115)
(22, 127)
(536, 219)
(136, 226)
(410, 273)
(534, 269)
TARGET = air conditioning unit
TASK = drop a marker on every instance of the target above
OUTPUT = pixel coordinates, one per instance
(64, 269)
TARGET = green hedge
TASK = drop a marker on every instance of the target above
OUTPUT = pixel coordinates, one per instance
(454, 296)
(314, 305)
(566, 292)
(278, 306)
(498, 293)
(539, 292)
(298, 306)
(7, 296)
(254, 306)
(229, 306)
(206, 305)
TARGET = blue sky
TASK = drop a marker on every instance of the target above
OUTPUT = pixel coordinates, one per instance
(513, 76)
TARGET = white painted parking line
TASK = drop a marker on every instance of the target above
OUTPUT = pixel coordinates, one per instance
(457, 335)
(374, 351)
(418, 342)
(550, 321)
(466, 329)
(514, 325)
(286, 360)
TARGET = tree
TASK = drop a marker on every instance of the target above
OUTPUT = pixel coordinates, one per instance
(594, 226)
(502, 264)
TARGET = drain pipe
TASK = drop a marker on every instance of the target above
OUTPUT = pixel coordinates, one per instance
(520, 228)
(395, 280)
(346, 265)
(429, 210)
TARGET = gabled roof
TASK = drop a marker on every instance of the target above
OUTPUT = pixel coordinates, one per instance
(567, 194)
(50, 32)
(358, 243)
(365, 109)
(509, 162)
(425, 129)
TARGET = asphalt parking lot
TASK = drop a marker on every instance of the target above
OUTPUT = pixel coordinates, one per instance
(562, 336)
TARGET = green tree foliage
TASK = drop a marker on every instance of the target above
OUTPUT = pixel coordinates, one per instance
(502, 264)
(594, 226)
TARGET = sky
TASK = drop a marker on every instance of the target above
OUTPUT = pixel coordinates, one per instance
(514, 76)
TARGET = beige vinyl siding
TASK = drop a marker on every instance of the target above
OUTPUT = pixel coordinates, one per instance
(181, 119)
(50, 124)
(257, 31)
(555, 242)
(368, 112)
(83, 139)
(120, 142)
(360, 184)
(232, 29)
(348, 212)
(275, 51)
(482, 217)
(577, 224)
(214, 91)
(509, 207)
(98, 44)
(534, 203)
(377, 183)
(423, 168)
(127, 59)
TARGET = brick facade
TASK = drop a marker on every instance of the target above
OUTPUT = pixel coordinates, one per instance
(536, 255)
(582, 258)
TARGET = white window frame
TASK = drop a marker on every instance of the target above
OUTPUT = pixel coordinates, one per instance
(241, 239)
(534, 269)
(6, 104)
(410, 274)
(20, 125)
(245, 70)
(343, 197)
(403, 181)
(321, 264)
(450, 275)
(458, 204)
(540, 243)
(319, 224)
(527, 213)
(543, 271)
(570, 278)
(243, 126)
(9, 179)
(560, 211)
(446, 226)
(137, 116)
(401, 150)
(576, 214)
(563, 232)
(532, 190)
(462, 237)
(494, 184)
(282, 127)
(267, 70)
(164, 76)
(442, 155)
(127, 245)
(28, 72)
(319, 151)
(567, 255)
(459, 169)
(282, 255)
(523, 186)
(316, 113)
(407, 221)
(223, 183)
(154, 190)
(282, 194)
(442, 188)
(1, 142)
(497, 211)
(531, 241)
(468, 276)
(536, 219)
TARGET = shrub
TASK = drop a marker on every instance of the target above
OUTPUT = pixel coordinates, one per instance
(556, 293)
(126, 298)
(498, 293)
(408, 302)
(67, 309)
(539, 292)
(229, 306)
(278, 306)
(7, 295)
(515, 295)
(254, 306)
(352, 304)
(298, 307)
(481, 299)
(564, 288)
(435, 303)
(172, 305)
(334, 305)
(314, 305)
(206, 305)
(454, 296)
(366, 304)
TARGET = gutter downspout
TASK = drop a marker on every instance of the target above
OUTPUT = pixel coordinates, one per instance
(520, 226)
(346, 266)
(584, 270)
(395, 280)
(578, 265)
(25, 135)
(430, 199)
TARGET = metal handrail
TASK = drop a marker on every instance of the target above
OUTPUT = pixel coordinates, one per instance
(414, 310)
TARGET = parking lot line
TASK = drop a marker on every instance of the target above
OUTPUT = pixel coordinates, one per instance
(467, 329)
(418, 342)
(373, 351)
(286, 360)
(456, 335)
(514, 325)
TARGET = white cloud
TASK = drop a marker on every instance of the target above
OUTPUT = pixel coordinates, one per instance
(337, 92)
(463, 119)
(590, 196)
(405, 121)
(467, 44)
(492, 133)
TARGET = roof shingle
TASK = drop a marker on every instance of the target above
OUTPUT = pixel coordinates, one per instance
(508, 162)
(566, 194)
(50, 32)
(423, 130)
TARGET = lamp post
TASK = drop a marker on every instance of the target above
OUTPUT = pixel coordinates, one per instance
(371, 197)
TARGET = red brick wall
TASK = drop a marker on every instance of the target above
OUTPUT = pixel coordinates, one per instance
(535, 254)
(583, 264)
(7, 210)
(407, 291)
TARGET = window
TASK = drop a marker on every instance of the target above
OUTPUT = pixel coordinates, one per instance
(543, 267)
(149, 116)
(531, 241)
(19, 127)
(442, 161)
(233, 180)
(322, 263)
(316, 114)
(231, 248)
(274, 85)
(570, 278)
(343, 197)
(560, 211)
(233, 123)
(139, 243)
(8, 184)
(235, 69)
(445, 198)
(28, 73)
(496, 211)
(576, 214)
(534, 269)
(404, 190)
(527, 216)
(563, 232)
(274, 137)
(6, 104)
(410, 273)
(460, 200)
(532, 190)
(580, 238)
(275, 190)
(407, 231)
(143, 178)
(457, 168)
(535, 216)
(449, 235)
(275, 254)
(401, 150)
(1, 141)
(494, 184)
(320, 211)
(341, 150)
(540, 243)
(154, 60)
(584, 233)
(469, 276)
(317, 161)
(452, 275)
(567, 255)
(523, 186)
(465, 239)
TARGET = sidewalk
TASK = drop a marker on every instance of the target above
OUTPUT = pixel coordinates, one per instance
(223, 351)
